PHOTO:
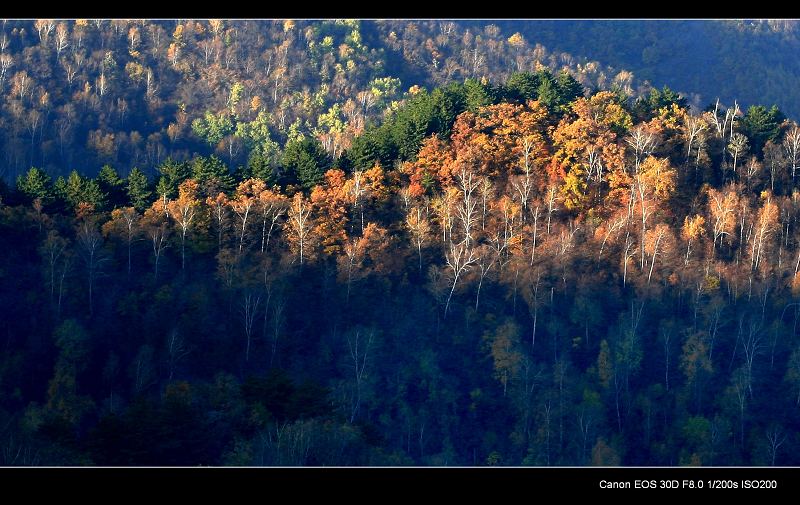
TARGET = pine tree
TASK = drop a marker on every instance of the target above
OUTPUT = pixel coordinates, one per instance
(76, 190)
(111, 184)
(173, 173)
(761, 124)
(306, 162)
(35, 184)
(70, 191)
(261, 167)
(522, 86)
(548, 91)
(93, 195)
(139, 192)
(569, 89)
(212, 174)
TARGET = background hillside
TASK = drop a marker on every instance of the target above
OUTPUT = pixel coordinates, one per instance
(749, 61)
(81, 94)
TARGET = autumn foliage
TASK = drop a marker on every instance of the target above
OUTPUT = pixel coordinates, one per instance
(580, 282)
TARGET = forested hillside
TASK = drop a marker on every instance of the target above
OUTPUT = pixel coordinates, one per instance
(753, 61)
(517, 270)
(82, 94)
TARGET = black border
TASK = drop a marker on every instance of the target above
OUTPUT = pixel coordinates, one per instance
(373, 484)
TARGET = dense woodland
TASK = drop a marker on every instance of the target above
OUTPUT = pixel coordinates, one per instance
(749, 60)
(82, 94)
(518, 270)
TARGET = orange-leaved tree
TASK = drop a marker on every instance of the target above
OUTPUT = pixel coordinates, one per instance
(183, 211)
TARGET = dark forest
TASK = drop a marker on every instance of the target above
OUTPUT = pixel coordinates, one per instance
(385, 243)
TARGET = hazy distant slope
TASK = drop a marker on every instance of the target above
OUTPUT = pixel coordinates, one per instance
(752, 61)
